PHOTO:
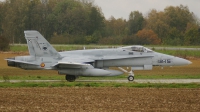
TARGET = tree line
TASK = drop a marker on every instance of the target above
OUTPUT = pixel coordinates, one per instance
(82, 22)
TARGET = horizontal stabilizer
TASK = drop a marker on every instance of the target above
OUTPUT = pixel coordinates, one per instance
(24, 62)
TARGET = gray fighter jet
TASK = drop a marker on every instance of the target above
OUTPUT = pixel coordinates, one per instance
(91, 62)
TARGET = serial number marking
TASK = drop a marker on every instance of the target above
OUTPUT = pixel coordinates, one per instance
(164, 61)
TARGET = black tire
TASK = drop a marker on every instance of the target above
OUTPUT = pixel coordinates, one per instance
(70, 78)
(130, 78)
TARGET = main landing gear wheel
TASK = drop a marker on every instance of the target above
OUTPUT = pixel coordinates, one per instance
(70, 78)
(130, 78)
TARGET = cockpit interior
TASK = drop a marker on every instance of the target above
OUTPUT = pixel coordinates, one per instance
(137, 49)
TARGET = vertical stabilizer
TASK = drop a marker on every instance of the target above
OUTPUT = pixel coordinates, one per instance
(38, 46)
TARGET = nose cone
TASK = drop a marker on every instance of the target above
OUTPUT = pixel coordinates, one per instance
(180, 61)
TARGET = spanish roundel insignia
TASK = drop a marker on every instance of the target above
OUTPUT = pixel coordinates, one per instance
(42, 65)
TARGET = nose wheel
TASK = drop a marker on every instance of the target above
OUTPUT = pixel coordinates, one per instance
(130, 78)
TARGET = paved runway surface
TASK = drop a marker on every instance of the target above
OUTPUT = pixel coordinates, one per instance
(119, 81)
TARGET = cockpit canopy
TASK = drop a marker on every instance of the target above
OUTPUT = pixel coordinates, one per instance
(137, 49)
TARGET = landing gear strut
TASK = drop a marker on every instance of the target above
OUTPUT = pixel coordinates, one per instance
(131, 75)
(70, 78)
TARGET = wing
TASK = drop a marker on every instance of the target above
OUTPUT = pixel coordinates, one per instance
(74, 62)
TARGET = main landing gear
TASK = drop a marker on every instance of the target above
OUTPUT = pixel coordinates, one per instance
(70, 78)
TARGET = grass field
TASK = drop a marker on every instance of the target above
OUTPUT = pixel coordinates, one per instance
(97, 84)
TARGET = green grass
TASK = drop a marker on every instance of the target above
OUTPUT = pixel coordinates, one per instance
(121, 77)
(96, 84)
(18, 48)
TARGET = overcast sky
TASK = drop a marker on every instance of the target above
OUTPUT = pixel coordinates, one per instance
(122, 8)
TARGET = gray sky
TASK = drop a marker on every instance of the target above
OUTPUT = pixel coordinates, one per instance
(122, 8)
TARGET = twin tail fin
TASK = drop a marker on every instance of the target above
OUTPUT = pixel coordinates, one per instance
(38, 46)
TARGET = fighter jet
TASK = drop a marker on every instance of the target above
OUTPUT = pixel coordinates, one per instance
(91, 62)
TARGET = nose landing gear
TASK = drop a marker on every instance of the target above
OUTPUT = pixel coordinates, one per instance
(131, 74)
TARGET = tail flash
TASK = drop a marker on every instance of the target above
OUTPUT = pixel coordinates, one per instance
(38, 46)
